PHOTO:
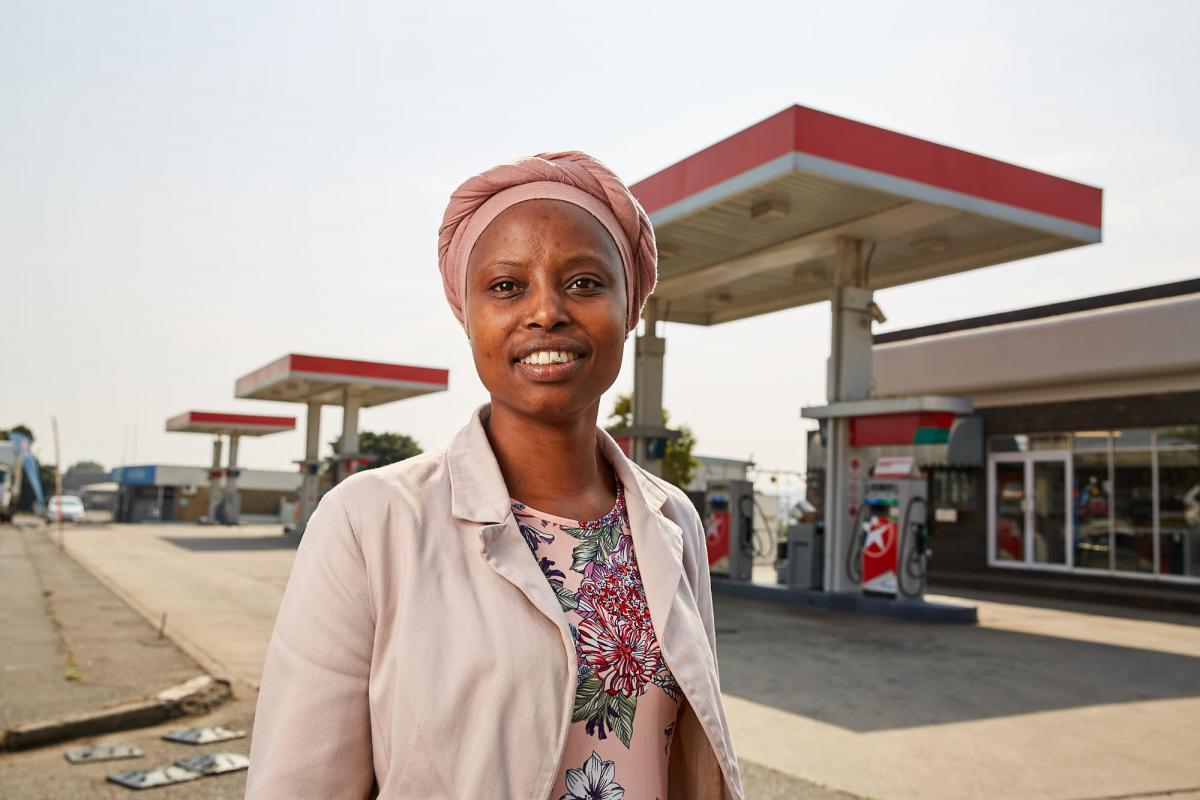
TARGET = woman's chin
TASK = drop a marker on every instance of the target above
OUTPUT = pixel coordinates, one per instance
(548, 402)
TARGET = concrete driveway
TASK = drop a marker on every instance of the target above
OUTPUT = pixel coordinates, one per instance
(1037, 701)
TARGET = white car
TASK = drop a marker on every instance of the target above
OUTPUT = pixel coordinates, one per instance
(69, 506)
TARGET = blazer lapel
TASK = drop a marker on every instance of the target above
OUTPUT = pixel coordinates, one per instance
(478, 494)
(657, 541)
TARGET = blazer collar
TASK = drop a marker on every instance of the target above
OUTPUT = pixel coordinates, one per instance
(478, 494)
(477, 489)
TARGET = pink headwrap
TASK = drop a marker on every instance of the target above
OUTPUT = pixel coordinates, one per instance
(571, 176)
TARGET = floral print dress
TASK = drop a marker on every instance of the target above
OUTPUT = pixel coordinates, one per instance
(626, 699)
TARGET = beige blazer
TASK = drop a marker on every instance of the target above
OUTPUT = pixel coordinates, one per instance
(420, 653)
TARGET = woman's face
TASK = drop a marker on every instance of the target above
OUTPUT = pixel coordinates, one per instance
(546, 309)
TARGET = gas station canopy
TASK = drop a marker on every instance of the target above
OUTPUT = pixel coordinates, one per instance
(300, 378)
(229, 424)
(750, 224)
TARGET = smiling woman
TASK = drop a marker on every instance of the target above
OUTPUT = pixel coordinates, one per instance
(525, 613)
(545, 287)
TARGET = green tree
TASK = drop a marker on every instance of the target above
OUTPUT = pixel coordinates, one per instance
(622, 413)
(679, 465)
(19, 429)
(89, 466)
(381, 448)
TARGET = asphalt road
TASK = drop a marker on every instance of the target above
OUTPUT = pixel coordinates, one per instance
(68, 643)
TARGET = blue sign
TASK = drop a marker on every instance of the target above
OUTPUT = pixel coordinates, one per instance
(135, 476)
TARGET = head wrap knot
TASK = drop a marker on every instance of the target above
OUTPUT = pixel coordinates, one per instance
(571, 176)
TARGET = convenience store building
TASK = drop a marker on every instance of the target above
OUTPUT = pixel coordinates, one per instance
(1079, 472)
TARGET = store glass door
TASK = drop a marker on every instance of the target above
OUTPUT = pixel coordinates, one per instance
(1007, 482)
(1028, 508)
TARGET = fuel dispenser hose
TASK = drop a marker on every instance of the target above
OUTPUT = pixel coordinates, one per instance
(913, 560)
(758, 544)
(855, 548)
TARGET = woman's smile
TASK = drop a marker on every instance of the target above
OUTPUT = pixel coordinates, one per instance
(550, 361)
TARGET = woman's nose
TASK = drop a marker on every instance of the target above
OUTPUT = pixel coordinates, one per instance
(546, 308)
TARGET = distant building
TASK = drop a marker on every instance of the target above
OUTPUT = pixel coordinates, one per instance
(170, 493)
(711, 468)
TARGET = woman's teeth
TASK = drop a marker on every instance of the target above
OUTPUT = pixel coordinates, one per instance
(549, 357)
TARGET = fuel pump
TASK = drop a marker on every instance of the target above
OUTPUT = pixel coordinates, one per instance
(729, 528)
(890, 552)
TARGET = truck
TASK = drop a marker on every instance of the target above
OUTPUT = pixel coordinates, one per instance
(10, 480)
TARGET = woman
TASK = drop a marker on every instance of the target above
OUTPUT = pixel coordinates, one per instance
(525, 614)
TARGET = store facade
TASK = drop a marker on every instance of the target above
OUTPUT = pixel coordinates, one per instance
(174, 493)
(1079, 472)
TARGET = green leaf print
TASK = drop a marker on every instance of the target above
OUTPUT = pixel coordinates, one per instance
(596, 544)
(625, 707)
(610, 539)
(565, 598)
(584, 554)
(590, 698)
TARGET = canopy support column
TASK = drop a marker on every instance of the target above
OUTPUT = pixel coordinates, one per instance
(310, 467)
(214, 481)
(848, 378)
(233, 504)
(351, 403)
(649, 352)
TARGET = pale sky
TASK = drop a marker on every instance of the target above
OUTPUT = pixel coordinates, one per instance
(189, 190)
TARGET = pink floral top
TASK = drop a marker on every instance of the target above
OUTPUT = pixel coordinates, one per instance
(626, 700)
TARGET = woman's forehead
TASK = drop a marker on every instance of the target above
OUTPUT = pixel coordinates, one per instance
(545, 227)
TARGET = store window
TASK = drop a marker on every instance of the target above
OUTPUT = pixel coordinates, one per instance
(1009, 483)
(1179, 500)
(1133, 507)
(1133, 501)
(1091, 500)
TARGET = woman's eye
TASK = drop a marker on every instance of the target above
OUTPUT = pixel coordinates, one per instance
(504, 287)
(585, 283)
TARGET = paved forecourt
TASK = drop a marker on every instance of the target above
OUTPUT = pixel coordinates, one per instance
(1062, 701)
(220, 587)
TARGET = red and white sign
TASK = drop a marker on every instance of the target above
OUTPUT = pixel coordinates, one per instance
(716, 535)
(879, 554)
(894, 467)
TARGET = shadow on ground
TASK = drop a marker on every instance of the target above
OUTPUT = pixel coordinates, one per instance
(870, 674)
(222, 543)
(1073, 606)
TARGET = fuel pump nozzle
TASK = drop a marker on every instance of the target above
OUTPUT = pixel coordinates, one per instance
(915, 551)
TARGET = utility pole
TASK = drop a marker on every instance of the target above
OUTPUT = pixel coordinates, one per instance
(57, 481)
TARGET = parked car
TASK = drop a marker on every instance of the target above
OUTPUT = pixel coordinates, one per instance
(69, 506)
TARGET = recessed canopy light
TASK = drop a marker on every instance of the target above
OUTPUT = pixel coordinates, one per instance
(934, 244)
(768, 210)
(805, 274)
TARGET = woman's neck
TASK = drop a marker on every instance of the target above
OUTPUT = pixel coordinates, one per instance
(553, 466)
